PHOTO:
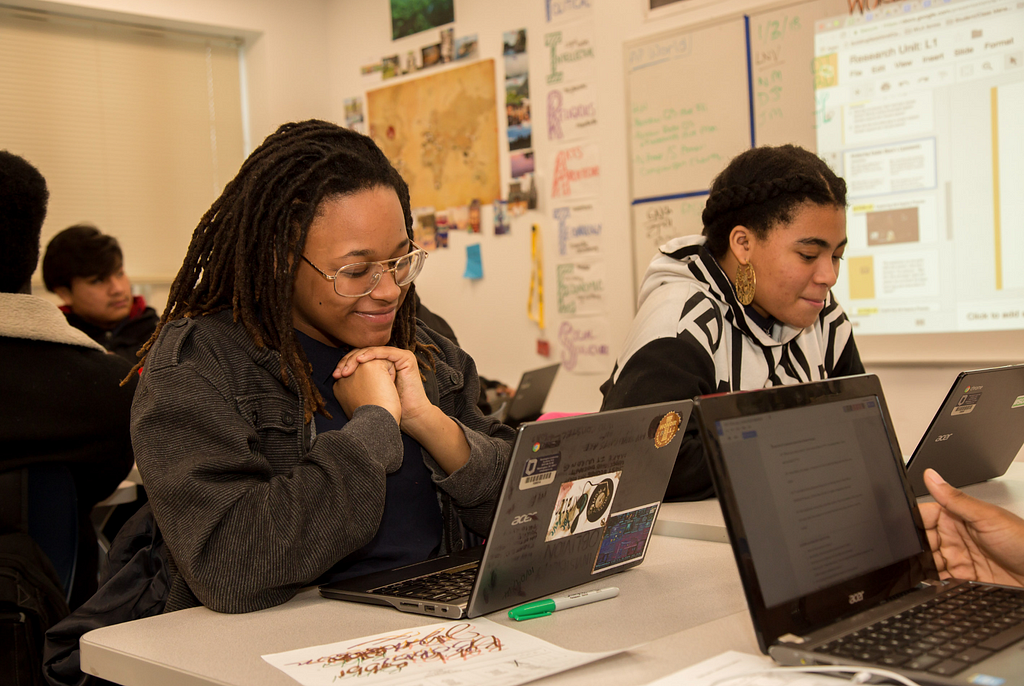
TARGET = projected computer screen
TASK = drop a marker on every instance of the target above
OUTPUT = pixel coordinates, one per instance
(920, 106)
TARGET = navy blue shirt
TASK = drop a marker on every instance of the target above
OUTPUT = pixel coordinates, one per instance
(410, 529)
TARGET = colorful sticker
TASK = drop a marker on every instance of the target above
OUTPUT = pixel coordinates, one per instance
(1019, 402)
(539, 471)
(626, 536)
(583, 505)
(667, 429)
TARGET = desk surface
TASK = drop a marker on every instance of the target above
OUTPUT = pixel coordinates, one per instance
(681, 587)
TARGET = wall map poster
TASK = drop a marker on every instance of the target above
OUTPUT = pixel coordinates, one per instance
(441, 133)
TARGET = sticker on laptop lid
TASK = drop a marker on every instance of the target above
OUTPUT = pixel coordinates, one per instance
(968, 401)
(665, 428)
(583, 505)
(986, 680)
(539, 470)
(1019, 402)
(626, 537)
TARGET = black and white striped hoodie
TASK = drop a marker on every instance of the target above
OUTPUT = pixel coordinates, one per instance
(691, 337)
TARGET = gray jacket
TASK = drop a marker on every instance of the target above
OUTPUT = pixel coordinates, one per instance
(252, 503)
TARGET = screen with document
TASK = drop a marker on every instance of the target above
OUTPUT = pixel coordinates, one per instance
(819, 495)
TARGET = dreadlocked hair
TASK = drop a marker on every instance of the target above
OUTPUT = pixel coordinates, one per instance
(762, 187)
(242, 254)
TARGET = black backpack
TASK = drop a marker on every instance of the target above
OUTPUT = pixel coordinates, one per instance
(31, 598)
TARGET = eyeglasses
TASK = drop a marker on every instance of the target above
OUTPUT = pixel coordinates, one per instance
(359, 279)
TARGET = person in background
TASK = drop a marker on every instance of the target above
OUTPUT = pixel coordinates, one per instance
(60, 395)
(972, 539)
(86, 269)
(745, 305)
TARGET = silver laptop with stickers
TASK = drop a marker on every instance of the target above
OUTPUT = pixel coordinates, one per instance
(579, 503)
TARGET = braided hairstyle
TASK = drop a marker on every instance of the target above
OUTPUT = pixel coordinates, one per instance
(242, 253)
(762, 187)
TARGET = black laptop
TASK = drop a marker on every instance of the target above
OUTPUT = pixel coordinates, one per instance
(579, 503)
(529, 398)
(830, 545)
(977, 432)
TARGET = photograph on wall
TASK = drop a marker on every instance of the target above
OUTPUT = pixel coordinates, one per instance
(501, 223)
(431, 55)
(390, 67)
(424, 227)
(447, 44)
(517, 90)
(519, 195)
(582, 505)
(354, 114)
(412, 16)
(521, 162)
(467, 47)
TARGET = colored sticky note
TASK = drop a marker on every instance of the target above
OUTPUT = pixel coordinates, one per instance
(474, 265)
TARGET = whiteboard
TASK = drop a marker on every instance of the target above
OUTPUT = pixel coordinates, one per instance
(684, 126)
(698, 96)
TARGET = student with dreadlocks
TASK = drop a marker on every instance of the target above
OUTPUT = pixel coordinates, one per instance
(747, 304)
(293, 424)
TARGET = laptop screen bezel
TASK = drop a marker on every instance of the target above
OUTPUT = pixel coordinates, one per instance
(803, 615)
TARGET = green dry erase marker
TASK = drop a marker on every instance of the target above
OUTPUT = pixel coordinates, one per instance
(542, 608)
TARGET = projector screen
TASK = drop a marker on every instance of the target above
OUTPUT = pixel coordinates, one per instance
(920, 106)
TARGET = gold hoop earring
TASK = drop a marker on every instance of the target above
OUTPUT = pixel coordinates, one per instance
(745, 283)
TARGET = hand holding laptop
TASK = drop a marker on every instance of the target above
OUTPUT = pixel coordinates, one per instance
(972, 539)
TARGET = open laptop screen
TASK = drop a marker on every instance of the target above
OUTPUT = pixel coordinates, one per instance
(819, 495)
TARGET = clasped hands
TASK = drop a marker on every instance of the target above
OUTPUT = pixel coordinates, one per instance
(384, 376)
(390, 377)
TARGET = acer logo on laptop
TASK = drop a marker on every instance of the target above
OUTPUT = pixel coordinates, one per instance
(856, 597)
(943, 437)
(523, 518)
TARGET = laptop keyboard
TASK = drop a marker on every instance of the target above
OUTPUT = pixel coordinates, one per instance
(941, 636)
(444, 586)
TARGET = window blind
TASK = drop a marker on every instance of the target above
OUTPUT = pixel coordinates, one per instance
(136, 130)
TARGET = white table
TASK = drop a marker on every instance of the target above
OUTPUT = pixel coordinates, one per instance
(666, 602)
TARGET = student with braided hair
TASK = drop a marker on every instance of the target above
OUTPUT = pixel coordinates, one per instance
(293, 424)
(745, 305)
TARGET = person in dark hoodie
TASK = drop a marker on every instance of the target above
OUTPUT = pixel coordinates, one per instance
(62, 398)
(747, 304)
(85, 267)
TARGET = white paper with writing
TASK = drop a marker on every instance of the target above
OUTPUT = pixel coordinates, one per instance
(461, 653)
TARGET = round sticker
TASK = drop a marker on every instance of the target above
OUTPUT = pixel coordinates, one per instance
(668, 427)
